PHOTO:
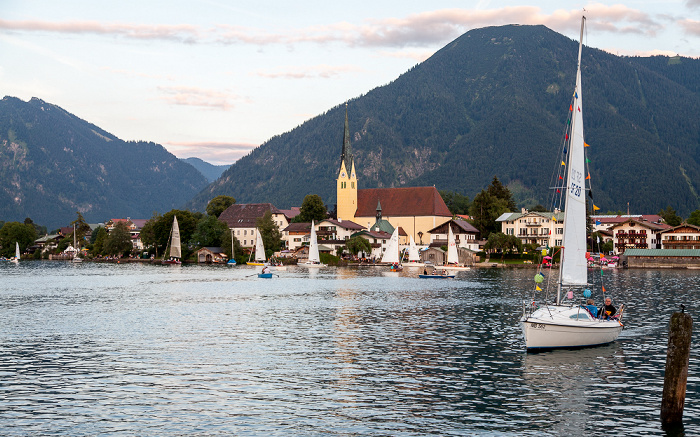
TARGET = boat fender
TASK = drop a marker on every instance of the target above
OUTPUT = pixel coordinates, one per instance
(586, 293)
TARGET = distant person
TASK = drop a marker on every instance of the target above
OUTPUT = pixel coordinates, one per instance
(608, 310)
(590, 305)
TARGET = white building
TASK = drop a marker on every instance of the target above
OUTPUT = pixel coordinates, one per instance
(539, 228)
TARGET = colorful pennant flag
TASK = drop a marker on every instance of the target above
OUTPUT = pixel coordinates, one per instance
(571, 107)
(603, 289)
(575, 94)
(585, 144)
(561, 177)
(538, 288)
(597, 222)
(563, 163)
(595, 208)
(589, 176)
(588, 160)
(558, 190)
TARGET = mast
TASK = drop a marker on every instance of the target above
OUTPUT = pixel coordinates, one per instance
(573, 270)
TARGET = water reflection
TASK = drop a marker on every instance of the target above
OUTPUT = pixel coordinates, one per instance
(100, 349)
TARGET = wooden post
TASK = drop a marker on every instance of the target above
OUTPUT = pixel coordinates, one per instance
(677, 357)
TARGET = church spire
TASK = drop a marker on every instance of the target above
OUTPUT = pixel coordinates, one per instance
(346, 154)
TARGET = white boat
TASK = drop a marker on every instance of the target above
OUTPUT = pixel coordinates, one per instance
(314, 257)
(413, 255)
(232, 261)
(76, 257)
(16, 258)
(174, 244)
(452, 254)
(391, 254)
(259, 259)
(569, 324)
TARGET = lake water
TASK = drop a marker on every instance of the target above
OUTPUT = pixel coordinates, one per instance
(130, 349)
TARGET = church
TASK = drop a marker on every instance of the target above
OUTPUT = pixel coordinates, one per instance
(416, 210)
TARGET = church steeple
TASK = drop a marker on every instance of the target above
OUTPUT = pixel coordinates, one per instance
(346, 183)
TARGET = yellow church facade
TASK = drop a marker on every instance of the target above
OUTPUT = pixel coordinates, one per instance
(416, 210)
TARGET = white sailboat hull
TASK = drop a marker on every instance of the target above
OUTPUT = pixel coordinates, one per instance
(448, 267)
(310, 264)
(555, 327)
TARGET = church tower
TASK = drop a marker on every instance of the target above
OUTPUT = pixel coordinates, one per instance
(346, 188)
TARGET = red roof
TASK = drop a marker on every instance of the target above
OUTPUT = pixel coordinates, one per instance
(401, 202)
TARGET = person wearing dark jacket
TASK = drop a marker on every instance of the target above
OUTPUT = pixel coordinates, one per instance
(608, 310)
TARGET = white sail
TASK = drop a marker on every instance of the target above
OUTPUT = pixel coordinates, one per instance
(314, 257)
(259, 247)
(175, 250)
(413, 255)
(391, 255)
(17, 250)
(452, 256)
(573, 265)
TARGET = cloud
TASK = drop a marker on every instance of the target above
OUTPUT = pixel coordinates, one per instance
(181, 33)
(212, 152)
(425, 29)
(193, 96)
(692, 3)
(691, 27)
(310, 72)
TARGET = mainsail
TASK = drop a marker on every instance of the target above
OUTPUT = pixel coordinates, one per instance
(452, 256)
(574, 270)
(259, 248)
(175, 251)
(391, 255)
(413, 255)
(314, 257)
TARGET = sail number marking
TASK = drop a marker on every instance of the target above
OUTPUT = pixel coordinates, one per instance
(537, 325)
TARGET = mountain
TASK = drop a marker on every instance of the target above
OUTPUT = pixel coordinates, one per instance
(210, 171)
(494, 102)
(53, 164)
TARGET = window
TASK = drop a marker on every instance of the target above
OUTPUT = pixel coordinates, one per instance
(245, 231)
(557, 242)
(352, 185)
(560, 231)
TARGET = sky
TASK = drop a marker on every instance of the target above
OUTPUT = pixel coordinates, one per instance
(214, 79)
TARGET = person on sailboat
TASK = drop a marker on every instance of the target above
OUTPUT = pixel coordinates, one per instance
(590, 305)
(608, 310)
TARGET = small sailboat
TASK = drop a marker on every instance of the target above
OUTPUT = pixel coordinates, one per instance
(259, 259)
(413, 255)
(174, 244)
(314, 256)
(452, 254)
(391, 254)
(17, 255)
(232, 261)
(570, 324)
(76, 257)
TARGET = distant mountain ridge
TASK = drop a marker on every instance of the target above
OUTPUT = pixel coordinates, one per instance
(494, 102)
(210, 171)
(53, 164)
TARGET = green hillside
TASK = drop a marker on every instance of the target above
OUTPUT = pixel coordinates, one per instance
(494, 102)
(53, 164)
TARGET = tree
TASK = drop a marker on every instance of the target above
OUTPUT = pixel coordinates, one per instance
(485, 210)
(312, 208)
(119, 240)
(456, 202)
(270, 233)
(670, 216)
(81, 227)
(210, 232)
(539, 208)
(100, 238)
(358, 244)
(226, 245)
(148, 233)
(500, 191)
(499, 240)
(694, 218)
(219, 204)
(187, 222)
(16, 232)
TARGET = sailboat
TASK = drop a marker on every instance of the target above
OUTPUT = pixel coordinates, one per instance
(413, 255)
(16, 258)
(174, 244)
(232, 261)
(259, 259)
(391, 254)
(452, 254)
(569, 324)
(314, 257)
(76, 257)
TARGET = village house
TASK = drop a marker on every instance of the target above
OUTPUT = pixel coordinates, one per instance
(242, 218)
(683, 236)
(296, 235)
(544, 229)
(465, 235)
(211, 255)
(636, 234)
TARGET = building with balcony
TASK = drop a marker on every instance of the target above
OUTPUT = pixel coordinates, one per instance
(539, 228)
(636, 234)
(683, 236)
